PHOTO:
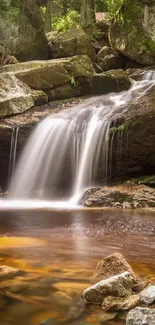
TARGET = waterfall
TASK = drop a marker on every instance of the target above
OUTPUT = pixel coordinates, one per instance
(13, 150)
(71, 146)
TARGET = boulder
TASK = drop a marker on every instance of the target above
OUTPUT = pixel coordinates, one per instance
(147, 296)
(117, 286)
(31, 42)
(121, 196)
(111, 265)
(113, 304)
(15, 97)
(105, 50)
(111, 61)
(132, 32)
(97, 84)
(141, 316)
(73, 42)
(44, 75)
(136, 131)
(105, 82)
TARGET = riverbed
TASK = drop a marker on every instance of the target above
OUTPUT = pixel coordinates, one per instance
(59, 251)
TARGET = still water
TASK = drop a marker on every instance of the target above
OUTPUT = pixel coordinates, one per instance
(59, 251)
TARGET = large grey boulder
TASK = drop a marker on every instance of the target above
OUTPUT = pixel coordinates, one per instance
(117, 286)
(132, 31)
(141, 316)
(15, 96)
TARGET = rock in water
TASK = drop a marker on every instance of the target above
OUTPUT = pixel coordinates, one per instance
(147, 296)
(111, 265)
(141, 316)
(115, 304)
(7, 272)
(117, 286)
(132, 32)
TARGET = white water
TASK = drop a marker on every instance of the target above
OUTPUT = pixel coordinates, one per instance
(13, 150)
(72, 144)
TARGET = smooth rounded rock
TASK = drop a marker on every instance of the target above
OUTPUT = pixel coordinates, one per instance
(147, 296)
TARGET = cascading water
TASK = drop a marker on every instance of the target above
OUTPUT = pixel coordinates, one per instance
(72, 145)
(13, 150)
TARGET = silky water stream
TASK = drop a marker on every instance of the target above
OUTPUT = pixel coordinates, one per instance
(56, 243)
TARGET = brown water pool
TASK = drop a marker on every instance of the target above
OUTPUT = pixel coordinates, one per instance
(59, 251)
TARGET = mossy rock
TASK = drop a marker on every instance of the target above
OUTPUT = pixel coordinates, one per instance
(73, 42)
(132, 32)
(45, 75)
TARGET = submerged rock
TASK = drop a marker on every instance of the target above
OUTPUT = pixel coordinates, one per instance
(7, 272)
(147, 296)
(73, 42)
(118, 286)
(111, 265)
(132, 31)
(141, 316)
(128, 196)
(119, 304)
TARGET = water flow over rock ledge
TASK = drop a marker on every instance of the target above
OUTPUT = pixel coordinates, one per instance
(74, 143)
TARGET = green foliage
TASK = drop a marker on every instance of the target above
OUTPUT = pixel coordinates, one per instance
(111, 5)
(66, 22)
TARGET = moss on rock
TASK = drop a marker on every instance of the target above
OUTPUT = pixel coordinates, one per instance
(131, 33)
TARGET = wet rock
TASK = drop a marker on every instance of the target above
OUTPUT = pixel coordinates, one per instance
(119, 304)
(73, 42)
(50, 321)
(111, 265)
(118, 286)
(15, 96)
(147, 296)
(7, 272)
(76, 310)
(129, 196)
(62, 298)
(141, 316)
(106, 317)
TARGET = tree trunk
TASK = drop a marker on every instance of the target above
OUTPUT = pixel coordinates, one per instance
(48, 17)
(87, 13)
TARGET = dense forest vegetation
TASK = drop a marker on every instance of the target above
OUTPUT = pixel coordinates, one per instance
(46, 15)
